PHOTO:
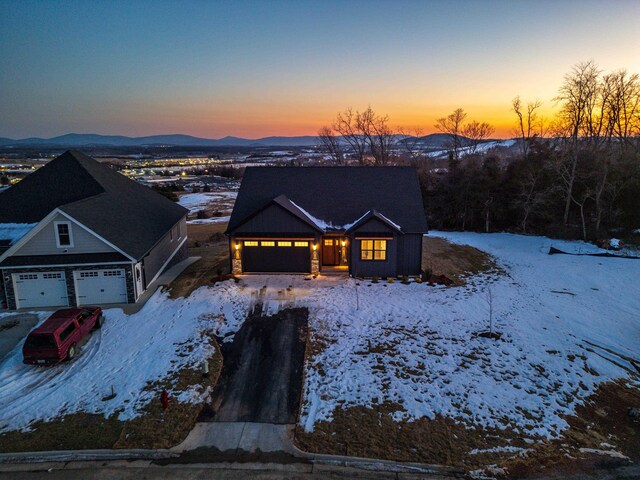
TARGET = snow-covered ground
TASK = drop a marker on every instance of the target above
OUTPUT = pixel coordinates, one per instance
(567, 324)
(221, 201)
(129, 351)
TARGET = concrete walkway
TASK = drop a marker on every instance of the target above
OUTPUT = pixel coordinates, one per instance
(239, 437)
(163, 280)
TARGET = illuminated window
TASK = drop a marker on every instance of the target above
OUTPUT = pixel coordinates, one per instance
(328, 241)
(267, 244)
(373, 249)
(301, 244)
(284, 244)
(250, 243)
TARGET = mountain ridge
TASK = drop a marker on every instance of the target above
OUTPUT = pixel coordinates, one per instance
(433, 140)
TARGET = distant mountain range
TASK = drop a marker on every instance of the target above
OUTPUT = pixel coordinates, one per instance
(434, 140)
(95, 140)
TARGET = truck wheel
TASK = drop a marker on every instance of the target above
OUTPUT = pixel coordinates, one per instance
(72, 352)
(99, 322)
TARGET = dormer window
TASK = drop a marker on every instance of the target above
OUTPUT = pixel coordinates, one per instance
(64, 238)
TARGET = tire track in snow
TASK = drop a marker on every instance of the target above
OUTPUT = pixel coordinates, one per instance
(43, 379)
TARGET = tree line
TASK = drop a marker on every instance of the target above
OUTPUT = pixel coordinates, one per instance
(575, 175)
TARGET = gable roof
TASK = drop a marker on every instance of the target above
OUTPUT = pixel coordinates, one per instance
(335, 197)
(374, 214)
(129, 215)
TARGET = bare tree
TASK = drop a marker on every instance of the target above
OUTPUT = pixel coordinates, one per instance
(379, 136)
(529, 124)
(409, 140)
(476, 132)
(346, 125)
(452, 126)
(576, 95)
(331, 144)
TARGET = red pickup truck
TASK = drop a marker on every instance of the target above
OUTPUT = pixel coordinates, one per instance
(58, 337)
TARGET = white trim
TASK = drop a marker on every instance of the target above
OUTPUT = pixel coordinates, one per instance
(56, 234)
(161, 269)
(58, 265)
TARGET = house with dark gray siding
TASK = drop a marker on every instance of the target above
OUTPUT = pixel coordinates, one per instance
(367, 221)
(76, 232)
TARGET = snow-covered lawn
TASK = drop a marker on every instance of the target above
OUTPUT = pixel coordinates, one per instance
(567, 324)
(127, 353)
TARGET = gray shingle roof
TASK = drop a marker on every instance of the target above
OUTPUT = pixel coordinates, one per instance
(129, 215)
(335, 195)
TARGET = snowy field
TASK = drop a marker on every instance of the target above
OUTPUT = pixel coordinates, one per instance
(129, 351)
(567, 324)
(210, 201)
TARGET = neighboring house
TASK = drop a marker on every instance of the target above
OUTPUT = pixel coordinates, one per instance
(368, 221)
(76, 232)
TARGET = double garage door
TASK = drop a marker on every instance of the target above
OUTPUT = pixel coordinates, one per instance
(49, 289)
(285, 256)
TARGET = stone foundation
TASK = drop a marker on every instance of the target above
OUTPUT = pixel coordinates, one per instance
(236, 266)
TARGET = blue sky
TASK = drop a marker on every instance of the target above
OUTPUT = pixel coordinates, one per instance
(283, 67)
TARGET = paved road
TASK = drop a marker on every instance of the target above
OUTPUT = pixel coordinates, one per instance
(271, 471)
(261, 380)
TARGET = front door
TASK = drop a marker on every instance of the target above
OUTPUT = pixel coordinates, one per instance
(334, 251)
(330, 252)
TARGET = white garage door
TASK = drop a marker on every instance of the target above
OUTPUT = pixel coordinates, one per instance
(95, 287)
(40, 289)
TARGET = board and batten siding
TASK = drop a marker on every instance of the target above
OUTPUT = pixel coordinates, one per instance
(410, 254)
(274, 220)
(44, 242)
(162, 251)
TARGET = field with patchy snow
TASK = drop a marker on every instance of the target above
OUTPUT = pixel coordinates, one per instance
(220, 201)
(567, 323)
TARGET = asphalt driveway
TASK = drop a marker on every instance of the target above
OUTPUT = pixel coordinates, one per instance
(261, 380)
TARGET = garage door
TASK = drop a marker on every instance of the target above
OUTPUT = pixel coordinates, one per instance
(276, 256)
(40, 289)
(96, 287)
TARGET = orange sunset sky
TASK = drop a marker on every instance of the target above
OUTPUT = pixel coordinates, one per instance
(255, 69)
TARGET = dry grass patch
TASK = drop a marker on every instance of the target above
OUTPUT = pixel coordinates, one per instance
(72, 432)
(203, 234)
(159, 428)
(373, 433)
(213, 260)
(457, 262)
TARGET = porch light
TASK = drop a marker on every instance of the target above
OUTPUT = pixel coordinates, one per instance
(237, 246)
(344, 243)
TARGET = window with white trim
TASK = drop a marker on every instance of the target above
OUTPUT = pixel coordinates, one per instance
(64, 238)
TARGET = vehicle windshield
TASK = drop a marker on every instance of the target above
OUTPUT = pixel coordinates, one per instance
(40, 341)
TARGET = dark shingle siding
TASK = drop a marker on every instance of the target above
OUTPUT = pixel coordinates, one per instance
(339, 195)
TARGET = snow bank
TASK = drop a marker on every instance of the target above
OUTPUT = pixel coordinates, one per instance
(564, 321)
(129, 351)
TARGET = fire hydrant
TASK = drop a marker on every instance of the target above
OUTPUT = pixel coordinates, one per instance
(164, 399)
